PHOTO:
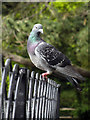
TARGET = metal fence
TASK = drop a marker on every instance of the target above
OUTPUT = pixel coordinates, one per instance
(26, 95)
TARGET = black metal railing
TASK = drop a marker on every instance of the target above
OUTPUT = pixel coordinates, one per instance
(26, 95)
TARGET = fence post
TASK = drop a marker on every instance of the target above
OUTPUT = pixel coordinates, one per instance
(58, 101)
(38, 99)
(34, 97)
(30, 95)
(20, 95)
(13, 79)
(3, 95)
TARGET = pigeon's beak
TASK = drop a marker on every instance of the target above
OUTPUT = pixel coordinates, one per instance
(40, 30)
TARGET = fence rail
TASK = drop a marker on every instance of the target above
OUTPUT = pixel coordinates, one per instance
(27, 95)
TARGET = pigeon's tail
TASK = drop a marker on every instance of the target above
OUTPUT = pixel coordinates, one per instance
(74, 82)
(71, 75)
(69, 71)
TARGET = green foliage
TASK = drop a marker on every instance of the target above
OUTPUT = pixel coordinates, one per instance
(67, 7)
(82, 47)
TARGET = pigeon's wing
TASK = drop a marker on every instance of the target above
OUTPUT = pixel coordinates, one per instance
(51, 55)
(57, 60)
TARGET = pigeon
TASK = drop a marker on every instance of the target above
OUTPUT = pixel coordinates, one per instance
(47, 58)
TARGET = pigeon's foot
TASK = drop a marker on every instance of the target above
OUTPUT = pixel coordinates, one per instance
(44, 75)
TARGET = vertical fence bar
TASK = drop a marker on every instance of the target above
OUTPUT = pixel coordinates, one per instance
(27, 91)
(49, 99)
(53, 98)
(34, 97)
(46, 101)
(11, 90)
(20, 95)
(41, 98)
(15, 97)
(58, 101)
(38, 99)
(44, 98)
(47, 96)
(3, 89)
(30, 94)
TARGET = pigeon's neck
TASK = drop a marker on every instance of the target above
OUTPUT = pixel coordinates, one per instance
(32, 42)
(33, 38)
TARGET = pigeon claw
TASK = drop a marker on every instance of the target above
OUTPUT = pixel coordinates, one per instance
(44, 75)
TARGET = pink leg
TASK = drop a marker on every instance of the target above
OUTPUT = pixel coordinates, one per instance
(44, 75)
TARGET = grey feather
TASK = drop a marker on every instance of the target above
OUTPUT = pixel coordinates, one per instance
(51, 55)
(74, 83)
(69, 71)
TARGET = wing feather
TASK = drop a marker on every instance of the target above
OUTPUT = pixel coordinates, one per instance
(51, 55)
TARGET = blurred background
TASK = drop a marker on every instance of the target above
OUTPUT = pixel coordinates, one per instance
(65, 26)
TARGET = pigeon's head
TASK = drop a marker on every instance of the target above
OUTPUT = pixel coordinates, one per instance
(37, 28)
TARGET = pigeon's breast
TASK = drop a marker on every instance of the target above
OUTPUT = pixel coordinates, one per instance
(31, 48)
(32, 45)
(31, 51)
(39, 63)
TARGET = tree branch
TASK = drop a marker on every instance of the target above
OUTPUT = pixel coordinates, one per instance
(27, 62)
(17, 58)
